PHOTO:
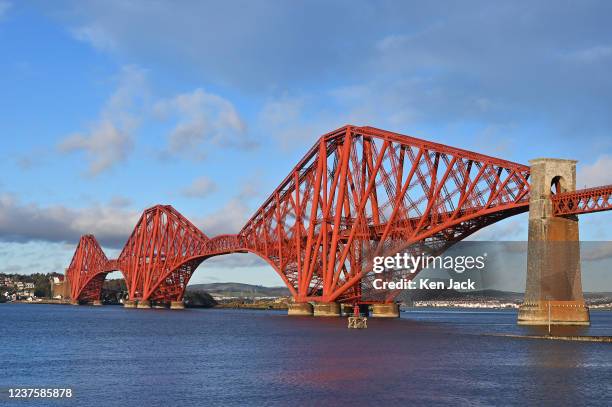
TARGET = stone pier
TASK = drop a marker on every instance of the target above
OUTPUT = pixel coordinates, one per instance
(554, 288)
(327, 309)
(390, 310)
(144, 304)
(129, 304)
(97, 303)
(177, 305)
(299, 309)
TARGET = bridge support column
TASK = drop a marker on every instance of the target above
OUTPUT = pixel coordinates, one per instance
(299, 309)
(177, 305)
(327, 309)
(129, 304)
(97, 303)
(144, 304)
(74, 302)
(385, 310)
(553, 290)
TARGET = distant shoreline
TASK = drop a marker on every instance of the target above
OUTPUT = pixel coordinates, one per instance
(581, 338)
(283, 307)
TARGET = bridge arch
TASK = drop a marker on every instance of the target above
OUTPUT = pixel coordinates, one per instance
(189, 266)
(88, 269)
(93, 286)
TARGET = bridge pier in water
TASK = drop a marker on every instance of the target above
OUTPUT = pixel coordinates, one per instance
(326, 309)
(177, 305)
(144, 304)
(299, 309)
(553, 291)
(334, 309)
(390, 310)
(129, 304)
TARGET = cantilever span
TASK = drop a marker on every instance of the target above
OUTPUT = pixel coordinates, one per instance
(157, 260)
(358, 190)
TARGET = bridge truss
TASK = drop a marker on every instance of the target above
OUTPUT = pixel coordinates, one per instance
(358, 192)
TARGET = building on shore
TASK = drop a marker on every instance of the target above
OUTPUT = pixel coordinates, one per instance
(59, 287)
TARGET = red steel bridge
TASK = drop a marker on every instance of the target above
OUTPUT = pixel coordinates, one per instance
(357, 191)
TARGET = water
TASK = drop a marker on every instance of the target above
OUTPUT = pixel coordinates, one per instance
(112, 356)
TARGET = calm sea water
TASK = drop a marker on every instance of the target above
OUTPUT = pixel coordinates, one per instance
(110, 356)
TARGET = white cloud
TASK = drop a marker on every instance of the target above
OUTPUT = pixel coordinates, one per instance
(596, 174)
(238, 261)
(104, 145)
(202, 119)
(200, 187)
(227, 220)
(95, 35)
(21, 222)
(110, 138)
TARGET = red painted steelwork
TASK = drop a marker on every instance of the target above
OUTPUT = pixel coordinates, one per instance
(87, 270)
(582, 201)
(358, 191)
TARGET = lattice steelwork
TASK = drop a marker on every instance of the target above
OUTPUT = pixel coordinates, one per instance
(358, 192)
(582, 201)
(87, 270)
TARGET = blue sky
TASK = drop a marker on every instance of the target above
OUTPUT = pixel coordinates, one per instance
(108, 107)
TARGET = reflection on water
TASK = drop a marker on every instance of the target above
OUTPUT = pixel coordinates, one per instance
(113, 356)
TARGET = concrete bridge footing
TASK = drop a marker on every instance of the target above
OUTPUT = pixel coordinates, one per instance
(390, 310)
(129, 304)
(97, 303)
(144, 304)
(326, 309)
(177, 305)
(558, 312)
(299, 309)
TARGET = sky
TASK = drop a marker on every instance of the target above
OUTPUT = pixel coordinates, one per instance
(110, 107)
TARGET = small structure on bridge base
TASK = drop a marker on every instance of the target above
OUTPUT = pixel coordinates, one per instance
(357, 321)
(554, 288)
